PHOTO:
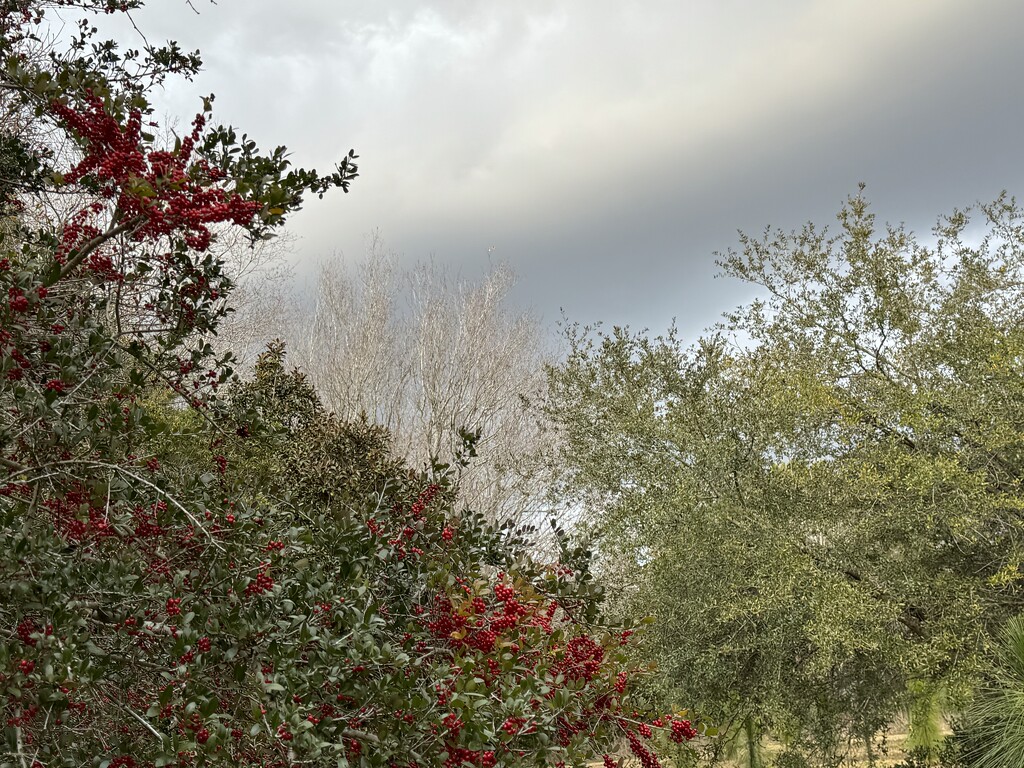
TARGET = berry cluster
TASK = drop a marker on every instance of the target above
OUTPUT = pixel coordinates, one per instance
(76, 517)
(263, 582)
(582, 660)
(161, 193)
(429, 494)
(682, 730)
(646, 757)
(27, 628)
(452, 723)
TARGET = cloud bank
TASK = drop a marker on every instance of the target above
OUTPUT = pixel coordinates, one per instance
(606, 149)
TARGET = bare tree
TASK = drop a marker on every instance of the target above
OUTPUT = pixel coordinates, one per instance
(262, 298)
(424, 352)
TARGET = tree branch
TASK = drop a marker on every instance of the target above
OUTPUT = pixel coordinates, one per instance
(370, 738)
(81, 253)
(145, 722)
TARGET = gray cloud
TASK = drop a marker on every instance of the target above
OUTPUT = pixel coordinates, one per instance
(606, 149)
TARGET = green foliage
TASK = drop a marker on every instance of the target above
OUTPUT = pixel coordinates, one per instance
(830, 512)
(925, 718)
(204, 572)
(325, 460)
(995, 719)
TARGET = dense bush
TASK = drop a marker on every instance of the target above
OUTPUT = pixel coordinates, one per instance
(198, 571)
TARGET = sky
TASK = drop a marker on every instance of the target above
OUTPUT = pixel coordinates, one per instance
(607, 149)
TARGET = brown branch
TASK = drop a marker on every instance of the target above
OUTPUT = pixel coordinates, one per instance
(14, 466)
(350, 733)
(913, 624)
(81, 253)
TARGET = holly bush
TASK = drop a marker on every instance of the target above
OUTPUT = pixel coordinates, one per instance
(202, 571)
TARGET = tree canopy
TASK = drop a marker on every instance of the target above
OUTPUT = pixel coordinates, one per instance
(820, 501)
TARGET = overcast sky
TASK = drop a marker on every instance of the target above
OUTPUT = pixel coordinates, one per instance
(607, 149)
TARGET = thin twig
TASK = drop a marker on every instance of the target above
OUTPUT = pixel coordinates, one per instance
(20, 745)
(144, 481)
(14, 466)
(166, 495)
(350, 733)
(145, 722)
(174, 387)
